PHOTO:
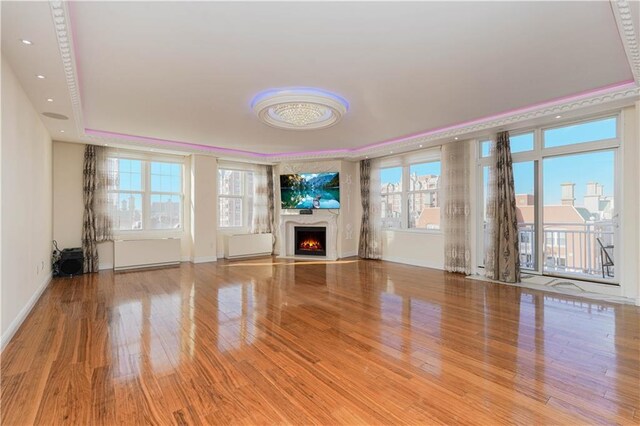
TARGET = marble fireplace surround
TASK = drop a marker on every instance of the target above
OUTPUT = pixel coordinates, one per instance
(288, 222)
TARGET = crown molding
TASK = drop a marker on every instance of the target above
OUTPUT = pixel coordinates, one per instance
(626, 93)
(64, 36)
(611, 96)
(622, 13)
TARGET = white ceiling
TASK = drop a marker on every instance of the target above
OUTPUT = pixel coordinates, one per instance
(187, 71)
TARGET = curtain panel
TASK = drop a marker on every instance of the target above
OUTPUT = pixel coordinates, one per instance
(455, 204)
(370, 227)
(502, 260)
(98, 176)
(263, 203)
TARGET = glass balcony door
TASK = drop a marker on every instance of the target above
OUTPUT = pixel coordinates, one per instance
(565, 183)
(579, 215)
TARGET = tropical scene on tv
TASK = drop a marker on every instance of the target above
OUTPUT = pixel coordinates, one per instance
(310, 191)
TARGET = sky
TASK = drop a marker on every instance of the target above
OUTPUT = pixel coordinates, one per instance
(394, 174)
(576, 168)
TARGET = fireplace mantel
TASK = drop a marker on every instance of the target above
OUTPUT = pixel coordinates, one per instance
(289, 221)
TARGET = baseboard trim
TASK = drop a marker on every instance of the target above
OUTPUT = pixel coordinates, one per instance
(349, 253)
(249, 256)
(414, 262)
(145, 266)
(24, 313)
(204, 259)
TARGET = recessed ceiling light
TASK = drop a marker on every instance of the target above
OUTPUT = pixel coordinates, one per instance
(455, 138)
(391, 152)
(40, 76)
(25, 41)
(49, 99)
(558, 116)
(366, 156)
(61, 131)
(421, 146)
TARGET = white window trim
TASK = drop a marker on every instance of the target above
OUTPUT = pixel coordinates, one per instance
(147, 158)
(405, 161)
(246, 198)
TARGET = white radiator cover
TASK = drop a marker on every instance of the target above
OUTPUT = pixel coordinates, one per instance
(246, 245)
(129, 254)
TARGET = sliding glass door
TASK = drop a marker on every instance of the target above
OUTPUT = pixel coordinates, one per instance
(579, 215)
(565, 185)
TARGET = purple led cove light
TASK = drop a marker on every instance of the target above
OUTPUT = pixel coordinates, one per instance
(298, 91)
(180, 144)
(601, 90)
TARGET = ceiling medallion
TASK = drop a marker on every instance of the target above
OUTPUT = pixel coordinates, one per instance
(299, 108)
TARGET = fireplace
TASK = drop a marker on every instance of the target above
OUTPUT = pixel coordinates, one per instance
(310, 240)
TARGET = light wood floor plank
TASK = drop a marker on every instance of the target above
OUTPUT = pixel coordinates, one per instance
(267, 341)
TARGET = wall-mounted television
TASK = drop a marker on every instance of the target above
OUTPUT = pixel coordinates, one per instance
(310, 191)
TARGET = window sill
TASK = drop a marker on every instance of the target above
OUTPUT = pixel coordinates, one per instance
(234, 230)
(415, 231)
(144, 235)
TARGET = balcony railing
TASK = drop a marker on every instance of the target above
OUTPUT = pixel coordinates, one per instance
(568, 247)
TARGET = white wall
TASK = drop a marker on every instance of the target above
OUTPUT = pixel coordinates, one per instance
(26, 205)
(204, 174)
(67, 194)
(630, 205)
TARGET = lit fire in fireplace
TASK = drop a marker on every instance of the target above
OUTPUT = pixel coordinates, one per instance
(310, 244)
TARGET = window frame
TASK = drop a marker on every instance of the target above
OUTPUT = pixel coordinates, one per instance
(246, 197)
(538, 155)
(410, 192)
(395, 193)
(405, 162)
(146, 193)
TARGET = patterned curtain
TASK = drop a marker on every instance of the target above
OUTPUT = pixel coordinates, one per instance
(98, 176)
(262, 200)
(369, 247)
(502, 260)
(271, 204)
(456, 207)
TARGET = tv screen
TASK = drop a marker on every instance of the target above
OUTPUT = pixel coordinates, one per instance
(310, 191)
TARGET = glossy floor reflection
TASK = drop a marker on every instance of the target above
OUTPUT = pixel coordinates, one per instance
(358, 342)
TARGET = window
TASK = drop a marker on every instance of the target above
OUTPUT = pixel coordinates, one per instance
(424, 206)
(588, 131)
(147, 194)
(391, 187)
(565, 184)
(409, 194)
(235, 198)
(519, 143)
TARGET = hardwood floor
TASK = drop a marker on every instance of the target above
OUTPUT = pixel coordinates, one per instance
(356, 342)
